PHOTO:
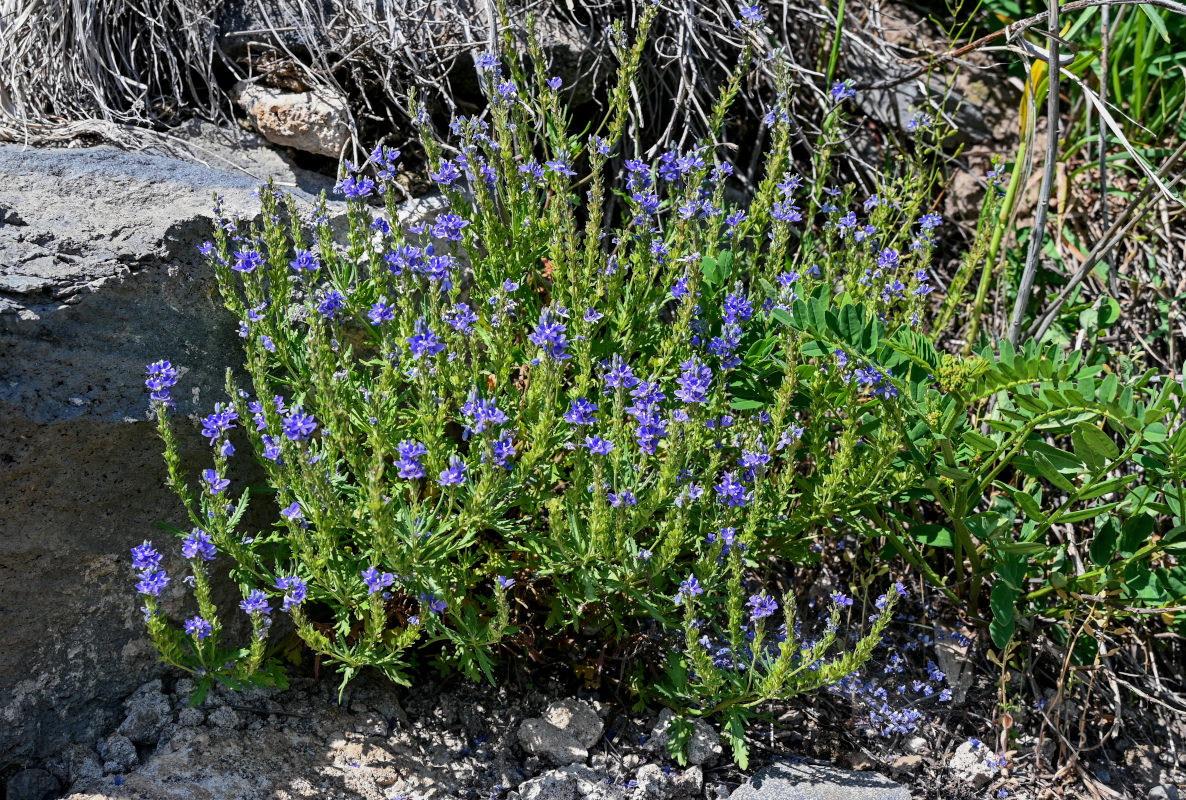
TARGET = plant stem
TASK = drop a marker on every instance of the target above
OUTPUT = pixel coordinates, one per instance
(1038, 233)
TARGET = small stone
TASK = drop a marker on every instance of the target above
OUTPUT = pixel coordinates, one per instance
(704, 746)
(1164, 792)
(967, 762)
(371, 724)
(907, 763)
(576, 718)
(31, 784)
(917, 745)
(653, 783)
(118, 753)
(190, 717)
(314, 121)
(148, 712)
(689, 783)
(540, 738)
(225, 717)
(800, 781)
(549, 786)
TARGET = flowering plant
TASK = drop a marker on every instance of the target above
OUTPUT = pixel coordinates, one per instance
(602, 399)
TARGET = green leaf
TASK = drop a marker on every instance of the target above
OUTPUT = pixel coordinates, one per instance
(1048, 471)
(1004, 621)
(1103, 544)
(735, 733)
(679, 733)
(1156, 21)
(1093, 446)
(932, 535)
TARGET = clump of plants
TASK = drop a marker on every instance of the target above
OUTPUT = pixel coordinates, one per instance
(599, 395)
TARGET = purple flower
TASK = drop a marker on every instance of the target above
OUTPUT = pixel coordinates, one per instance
(355, 188)
(409, 459)
(267, 343)
(623, 499)
(842, 91)
(152, 583)
(271, 448)
(454, 474)
(298, 425)
(162, 376)
(555, 82)
(688, 588)
(930, 221)
(331, 304)
(247, 260)
(460, 318)
(305, 261)
(503, 449)
(752, 15)
(841, 599)
(486, 61)
(381, 312)
(215, 482)
(296, 591)
(217, 424)
(505, 582)
(256, 603)
(199, 545)
(761, 606)
(432, 603)
(732, 493)
(376, 581)
(424, 341)
(581, 412)
(446, 175)
(482, 412)
(196, 626)
(618, 374)
(449, 226)
(145, 557)
(598, 446)
(694, 381)
(593, 315)
(293, 511)
(550, 334)
(738, 308)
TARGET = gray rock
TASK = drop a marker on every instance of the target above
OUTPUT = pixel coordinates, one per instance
(118, 753)
(190, 717)
(689, 783)
(653, 783)
(576, 718)
(547, 741)
(549, 786)
(316, 121)
(968, 764)
(116, 235)
(225, 717)
(1164, 792)
(78, 762)
(31, 784)
(704, 746)
(799, 781)
(148, 712)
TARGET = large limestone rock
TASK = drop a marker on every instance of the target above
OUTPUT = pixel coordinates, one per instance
(99, 275)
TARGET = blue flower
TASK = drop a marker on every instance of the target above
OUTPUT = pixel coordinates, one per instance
(551, 335)
(449, 226)
(454, 474)
(196, 626)
(331, 304)
(460, 318)
(215, 482)
(598, 446)
(694, 381)
(618, 374)
(424, 342)
(376, 581)
(555, 82)
(732, 493)
(216, 425)
(145, 557)
(482, 413)
(409, 459)
(841, 600)
(296, 591)
(247, 260)
(355, 188)
(842, 91)
(434, 604)
(305, 261)
(153, 582)
(688, 588)
(162, 376)
(505, 582)
(293, 511)
(486, 61)
(446, 175)
(256, 603)
(503, 449)
(199, 545)
(761, 606)
(581, 412)
(381, 312)
(298, 425)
